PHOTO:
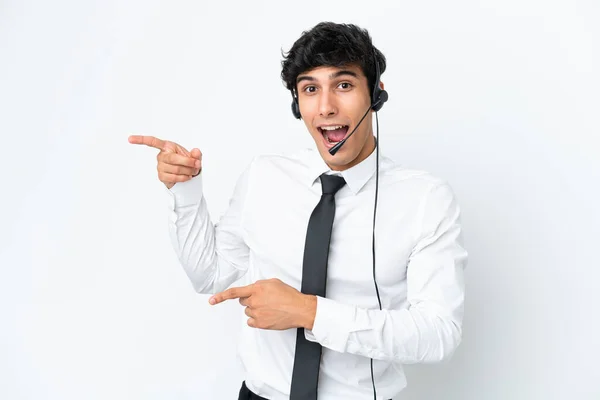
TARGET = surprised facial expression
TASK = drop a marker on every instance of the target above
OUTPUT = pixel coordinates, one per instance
(332, 101)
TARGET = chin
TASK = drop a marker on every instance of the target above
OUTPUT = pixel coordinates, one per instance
(345, 155)
(340, 160)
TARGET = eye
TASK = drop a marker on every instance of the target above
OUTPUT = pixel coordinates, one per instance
(345, 85)
(309, 89)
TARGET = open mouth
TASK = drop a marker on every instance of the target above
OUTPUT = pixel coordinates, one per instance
(334, 133)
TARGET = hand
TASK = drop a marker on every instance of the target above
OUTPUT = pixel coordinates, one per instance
(175, 163)
(272, 304)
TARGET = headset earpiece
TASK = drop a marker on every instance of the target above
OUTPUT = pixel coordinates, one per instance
(295, 107)
(380, 96)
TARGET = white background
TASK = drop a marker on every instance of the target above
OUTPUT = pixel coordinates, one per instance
(501, 98)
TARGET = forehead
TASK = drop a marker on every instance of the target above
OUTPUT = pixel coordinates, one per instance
(325, 73)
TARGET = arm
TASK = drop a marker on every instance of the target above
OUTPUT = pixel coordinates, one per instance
(430, 329)
(212, 255)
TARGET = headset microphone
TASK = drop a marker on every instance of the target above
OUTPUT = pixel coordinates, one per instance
(337, 146)
(383, 96)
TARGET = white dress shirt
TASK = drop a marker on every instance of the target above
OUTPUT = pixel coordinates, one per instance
(419, 267)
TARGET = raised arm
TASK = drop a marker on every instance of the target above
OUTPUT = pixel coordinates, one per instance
(212, 255)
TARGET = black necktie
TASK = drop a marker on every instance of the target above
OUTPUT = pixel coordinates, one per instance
(314, 276)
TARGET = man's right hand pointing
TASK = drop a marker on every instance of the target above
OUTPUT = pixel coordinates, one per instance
(175, 163)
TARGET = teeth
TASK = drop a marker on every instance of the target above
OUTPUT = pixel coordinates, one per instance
(331, 128)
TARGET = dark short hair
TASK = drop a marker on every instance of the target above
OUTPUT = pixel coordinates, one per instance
(332, 44)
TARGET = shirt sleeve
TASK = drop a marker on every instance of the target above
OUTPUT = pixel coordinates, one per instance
(212, 255)
(430, 329)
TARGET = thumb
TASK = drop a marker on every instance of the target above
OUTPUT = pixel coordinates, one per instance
(196, 153)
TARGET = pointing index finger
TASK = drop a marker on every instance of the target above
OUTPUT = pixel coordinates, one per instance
(150, 141)
(232, 293)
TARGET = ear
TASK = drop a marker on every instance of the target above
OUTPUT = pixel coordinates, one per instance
(381, 85)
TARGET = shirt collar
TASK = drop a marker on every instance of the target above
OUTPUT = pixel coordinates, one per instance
(356, 177)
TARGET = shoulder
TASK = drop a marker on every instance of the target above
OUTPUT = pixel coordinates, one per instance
(422, 191)
(420, 181)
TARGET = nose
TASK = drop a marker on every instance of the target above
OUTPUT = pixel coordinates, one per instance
(327, 105)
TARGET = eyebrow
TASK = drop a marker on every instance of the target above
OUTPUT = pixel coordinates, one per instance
(332, 76)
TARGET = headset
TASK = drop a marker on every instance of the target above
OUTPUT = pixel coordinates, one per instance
(378, 98)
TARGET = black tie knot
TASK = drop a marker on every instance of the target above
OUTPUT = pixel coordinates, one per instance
(331, 183)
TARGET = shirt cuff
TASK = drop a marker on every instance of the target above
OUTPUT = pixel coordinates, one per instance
(185, 193)
(332, 324)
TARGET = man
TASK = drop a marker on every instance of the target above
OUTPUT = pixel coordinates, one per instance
(351, 342)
